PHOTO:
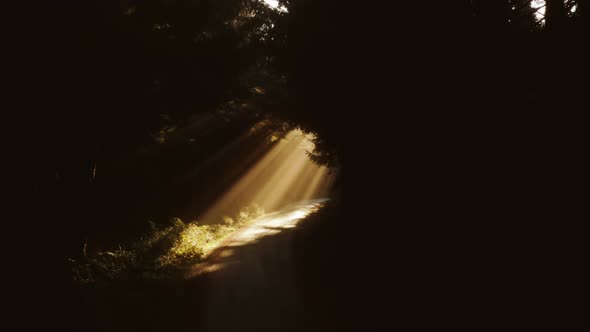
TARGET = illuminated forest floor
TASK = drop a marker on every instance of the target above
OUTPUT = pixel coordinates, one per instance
(265, 278)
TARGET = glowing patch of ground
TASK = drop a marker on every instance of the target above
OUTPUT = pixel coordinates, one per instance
(266, 225)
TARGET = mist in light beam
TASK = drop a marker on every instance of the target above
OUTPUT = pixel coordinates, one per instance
(284, 175)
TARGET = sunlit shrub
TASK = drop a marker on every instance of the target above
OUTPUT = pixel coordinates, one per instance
(161, 253)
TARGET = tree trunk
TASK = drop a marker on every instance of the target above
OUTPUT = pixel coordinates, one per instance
(555, 15)
(583, 10)
(494, 13)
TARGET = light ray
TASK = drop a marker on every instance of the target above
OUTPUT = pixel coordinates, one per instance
(284, 175)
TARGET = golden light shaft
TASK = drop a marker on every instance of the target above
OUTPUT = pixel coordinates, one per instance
(281, 181)
(284, 175)
(300, 186)
(245, 183)
(314, 183)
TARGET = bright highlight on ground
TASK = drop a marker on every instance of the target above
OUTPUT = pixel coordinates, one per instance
(266, 225)
(273, 223)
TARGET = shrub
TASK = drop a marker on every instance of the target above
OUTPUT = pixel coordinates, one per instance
(164, 252)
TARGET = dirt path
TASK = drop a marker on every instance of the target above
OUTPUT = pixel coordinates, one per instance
(249, 280)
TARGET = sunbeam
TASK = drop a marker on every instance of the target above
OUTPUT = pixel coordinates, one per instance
(284, 175)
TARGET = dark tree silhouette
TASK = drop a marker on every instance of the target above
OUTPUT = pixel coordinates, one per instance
(555, 15)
